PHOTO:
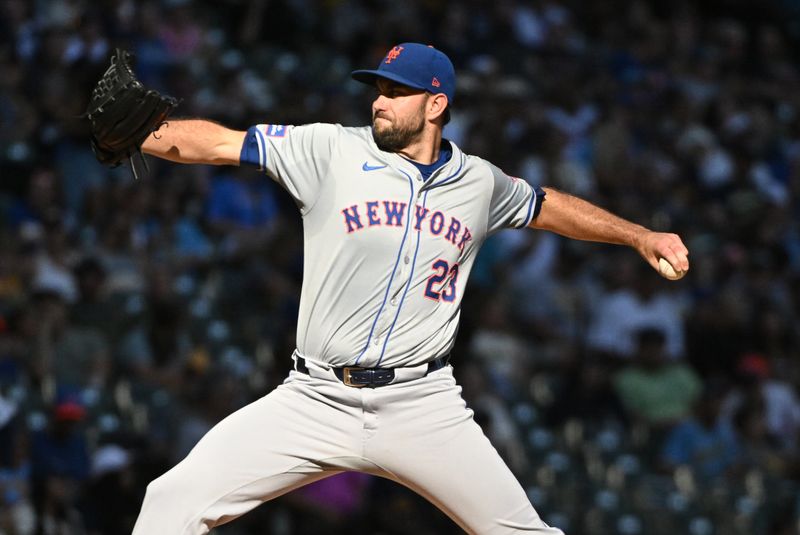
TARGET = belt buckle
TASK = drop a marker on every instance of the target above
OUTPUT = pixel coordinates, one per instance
(346, 379)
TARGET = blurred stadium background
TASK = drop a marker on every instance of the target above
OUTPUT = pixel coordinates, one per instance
(134, 315)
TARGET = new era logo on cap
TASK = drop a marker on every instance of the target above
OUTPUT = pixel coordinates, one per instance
(415, 65)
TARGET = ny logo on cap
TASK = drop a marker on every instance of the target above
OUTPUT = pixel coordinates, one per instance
(393, 53)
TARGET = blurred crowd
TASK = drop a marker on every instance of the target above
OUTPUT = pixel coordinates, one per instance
(136, 314)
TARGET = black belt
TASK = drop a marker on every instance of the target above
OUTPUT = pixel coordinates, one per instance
(370, 377)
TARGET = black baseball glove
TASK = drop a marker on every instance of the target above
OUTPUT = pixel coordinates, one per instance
(122, 113)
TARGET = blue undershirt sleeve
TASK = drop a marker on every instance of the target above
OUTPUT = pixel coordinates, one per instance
(250, 154)
(539, 199)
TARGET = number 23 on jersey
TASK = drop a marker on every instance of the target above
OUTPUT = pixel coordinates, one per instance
(442, 284)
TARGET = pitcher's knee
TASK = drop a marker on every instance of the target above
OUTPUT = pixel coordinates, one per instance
(169, 507)
(161, 491)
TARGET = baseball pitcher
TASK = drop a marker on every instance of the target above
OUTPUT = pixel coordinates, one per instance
(393, 218)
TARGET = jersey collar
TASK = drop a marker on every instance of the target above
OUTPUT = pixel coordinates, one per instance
(448, 173)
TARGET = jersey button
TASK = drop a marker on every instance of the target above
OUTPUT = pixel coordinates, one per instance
(407, 259)
(393, 301)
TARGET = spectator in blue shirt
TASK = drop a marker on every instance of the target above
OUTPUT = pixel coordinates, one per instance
(702, 442)
(242, 211)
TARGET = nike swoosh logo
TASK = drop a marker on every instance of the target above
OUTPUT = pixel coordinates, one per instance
(368, 167)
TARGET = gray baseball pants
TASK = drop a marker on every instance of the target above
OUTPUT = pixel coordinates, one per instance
(418, 433)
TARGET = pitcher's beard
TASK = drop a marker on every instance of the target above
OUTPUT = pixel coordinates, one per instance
(394, 138)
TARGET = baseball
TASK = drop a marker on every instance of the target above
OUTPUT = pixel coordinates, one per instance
(667, 271)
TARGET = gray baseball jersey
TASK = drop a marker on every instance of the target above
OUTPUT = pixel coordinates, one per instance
(387, 254)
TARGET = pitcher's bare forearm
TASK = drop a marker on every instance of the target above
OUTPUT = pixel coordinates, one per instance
(573, 217)
(195, 141)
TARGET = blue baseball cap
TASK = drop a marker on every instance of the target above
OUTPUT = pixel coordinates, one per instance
(415, 65)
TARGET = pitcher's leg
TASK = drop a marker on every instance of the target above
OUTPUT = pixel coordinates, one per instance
(428, 441)
(261, 451)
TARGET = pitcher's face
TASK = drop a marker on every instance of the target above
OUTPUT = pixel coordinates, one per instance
(398, 115)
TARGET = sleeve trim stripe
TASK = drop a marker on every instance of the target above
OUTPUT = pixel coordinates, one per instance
(262, 149)
(530, 213)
